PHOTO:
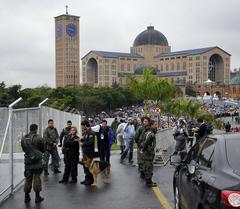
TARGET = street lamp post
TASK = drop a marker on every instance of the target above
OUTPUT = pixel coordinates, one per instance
(41, 116)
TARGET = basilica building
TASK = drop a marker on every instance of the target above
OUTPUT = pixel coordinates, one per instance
(151, 49)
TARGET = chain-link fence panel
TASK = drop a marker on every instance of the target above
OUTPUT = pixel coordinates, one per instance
(4, 156)
(60, 119)
(3, 124)
(5, 183)
(19, 126)
(21, 120)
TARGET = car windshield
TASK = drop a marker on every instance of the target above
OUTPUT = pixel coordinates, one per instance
(233, 152)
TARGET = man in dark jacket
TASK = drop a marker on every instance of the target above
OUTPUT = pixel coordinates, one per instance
(190, 137)
(202, 130)
(65, 132)
(228, 127)
(33, 147)
(71, 156)
(105, 137)
(88, 146)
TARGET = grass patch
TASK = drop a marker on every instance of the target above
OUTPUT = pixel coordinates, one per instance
(117, 147)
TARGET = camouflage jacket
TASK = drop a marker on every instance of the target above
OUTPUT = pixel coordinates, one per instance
(33, 147)
(65, 132)
(149, 143)
(139, 135)
(51, 136)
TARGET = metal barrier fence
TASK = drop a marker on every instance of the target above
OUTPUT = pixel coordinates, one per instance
(11, 155)
(165, 144)
(3, 123)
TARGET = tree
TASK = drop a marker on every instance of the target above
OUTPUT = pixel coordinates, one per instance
(183, 107)
(2, 86)
(82, 98)
(149, 87)
(190, 91)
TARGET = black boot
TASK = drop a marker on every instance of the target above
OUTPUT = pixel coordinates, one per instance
(83, 182)
(56, 171)
(63, 181)
(73, 181)
(142, 175)
(38, 198)
(150, 183)
(46, 172)
(27, 198)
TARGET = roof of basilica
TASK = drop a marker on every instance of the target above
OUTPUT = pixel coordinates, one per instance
(116, 54)
(186, 52)
(190, 52)
(235, 81)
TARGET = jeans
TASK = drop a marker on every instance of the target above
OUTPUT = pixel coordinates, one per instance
(129, 148)
(122, 147)
(105, 152)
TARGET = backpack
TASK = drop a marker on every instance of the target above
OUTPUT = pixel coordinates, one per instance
(34, 154)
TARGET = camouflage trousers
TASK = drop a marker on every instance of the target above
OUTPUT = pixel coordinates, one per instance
(32, 178)
(148, 167)
(140, 161)
(55, 159)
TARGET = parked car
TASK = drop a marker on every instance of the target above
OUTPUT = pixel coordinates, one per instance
(209, 176)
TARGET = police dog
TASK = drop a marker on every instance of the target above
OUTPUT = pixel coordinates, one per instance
(96, 167)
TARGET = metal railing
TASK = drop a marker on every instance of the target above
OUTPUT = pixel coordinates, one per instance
(165, 144)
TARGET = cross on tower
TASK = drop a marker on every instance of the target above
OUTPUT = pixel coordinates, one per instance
(66, 9)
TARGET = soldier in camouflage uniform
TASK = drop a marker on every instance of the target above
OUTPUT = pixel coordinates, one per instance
(139, 137)
(51, 138)
(33, 147)
(65, 132)
(148, 153)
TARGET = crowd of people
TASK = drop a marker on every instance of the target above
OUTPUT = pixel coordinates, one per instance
(38, 150)
(185, 132)
(221, 110)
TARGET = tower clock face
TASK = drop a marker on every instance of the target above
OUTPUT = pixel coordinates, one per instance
(71, 29)
(59, 30)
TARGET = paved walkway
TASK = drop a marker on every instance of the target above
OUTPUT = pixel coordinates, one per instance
(125, 191)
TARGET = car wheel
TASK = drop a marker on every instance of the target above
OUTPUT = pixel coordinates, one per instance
(176, 198)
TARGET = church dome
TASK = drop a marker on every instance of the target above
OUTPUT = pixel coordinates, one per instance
(235, 81)
(150, 37)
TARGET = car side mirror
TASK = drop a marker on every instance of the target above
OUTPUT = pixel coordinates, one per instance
(192, 167)
(175, 159)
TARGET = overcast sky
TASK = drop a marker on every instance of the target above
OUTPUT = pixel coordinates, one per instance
(27, 30)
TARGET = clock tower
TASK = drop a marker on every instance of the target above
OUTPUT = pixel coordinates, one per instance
(67, 52)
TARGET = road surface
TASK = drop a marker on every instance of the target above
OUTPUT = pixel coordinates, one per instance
(125, 191)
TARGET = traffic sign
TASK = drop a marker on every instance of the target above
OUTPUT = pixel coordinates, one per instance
(157, 110)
